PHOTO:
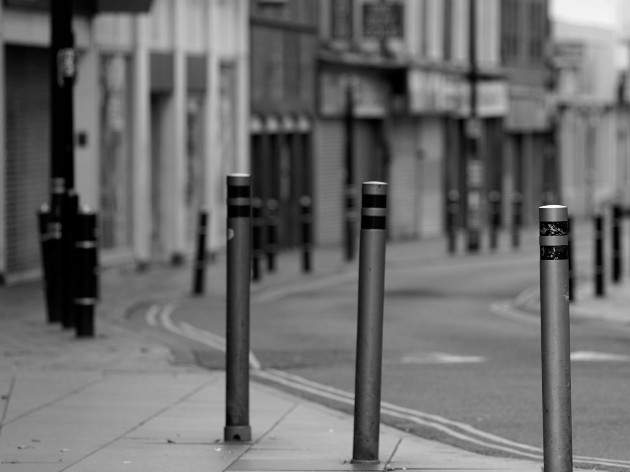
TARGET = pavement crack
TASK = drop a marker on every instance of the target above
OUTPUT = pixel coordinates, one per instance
(8, 397)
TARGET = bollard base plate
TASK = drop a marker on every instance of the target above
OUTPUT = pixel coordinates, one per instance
(364, 461)
(237, 433)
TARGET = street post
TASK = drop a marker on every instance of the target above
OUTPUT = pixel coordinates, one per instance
(367, 402)
(199, 266)
(237, 426)
(555, 338)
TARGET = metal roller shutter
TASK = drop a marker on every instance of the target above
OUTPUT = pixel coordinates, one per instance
(28, 151)
(328, 184)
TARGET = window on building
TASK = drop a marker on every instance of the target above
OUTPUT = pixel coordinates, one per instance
(510, 28)
(424, 28)
(537, 28)
(341, 20)
(447, 30)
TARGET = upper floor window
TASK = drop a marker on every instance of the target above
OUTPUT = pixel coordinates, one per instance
(341, 12)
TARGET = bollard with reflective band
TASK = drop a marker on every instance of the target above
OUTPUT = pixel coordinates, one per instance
(452, 210)
(57, 281)
(239, 234)
(85, 293)
(494, 199)
(517, 209)
(258, 225)
(199, 266)
(43, 216)
(555, 338)
(572, 269)
(350, 221)
(367, 403)
(599, 272)
(306, 220)
(616, 249)
(271, 246)
(70, 212)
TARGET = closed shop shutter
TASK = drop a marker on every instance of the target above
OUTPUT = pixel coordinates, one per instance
(28, 153)
(329, 180)
(404, 182)
(432, 142)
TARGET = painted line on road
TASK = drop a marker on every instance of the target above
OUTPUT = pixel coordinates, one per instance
(591, 356)
(440, 358)
(151, 315)
(433, 421)
(454, 429)
(506, 309)
(202, 336)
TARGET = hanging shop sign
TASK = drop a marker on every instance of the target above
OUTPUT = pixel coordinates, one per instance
(370, 94)
(383, 19)
(436, 92)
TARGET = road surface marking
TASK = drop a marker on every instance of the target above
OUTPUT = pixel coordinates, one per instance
(196, 334)
(440, 358)
(454, 429)
(151, 315)
(590, 356)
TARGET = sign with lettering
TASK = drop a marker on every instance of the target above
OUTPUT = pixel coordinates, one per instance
(370, 94)
(442, 93)
(383, 19)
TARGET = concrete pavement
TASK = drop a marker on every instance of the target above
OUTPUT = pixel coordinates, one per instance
(123, 402)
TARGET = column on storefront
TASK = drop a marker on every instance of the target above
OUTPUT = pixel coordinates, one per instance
(141, 143)
(3, 156)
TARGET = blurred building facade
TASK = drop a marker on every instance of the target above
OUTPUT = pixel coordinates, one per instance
(161, 115)
(530, 161)
(407, 66)
(595, 122)
(283, 48)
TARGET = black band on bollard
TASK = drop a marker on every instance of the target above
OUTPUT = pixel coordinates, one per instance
(238, 196)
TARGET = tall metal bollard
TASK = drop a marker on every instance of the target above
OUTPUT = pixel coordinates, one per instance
(367, 404)
(43, 215)
(307, 232)
(200, 257)
(555, 338)
(616, 244)
(258, 225)
(494, 199)
(239, 234)
(452, 210)
(86, 250)
(271, 246)
(599, 273)
(71, 210)
(57, 281)
(517, 219)
(572, 270)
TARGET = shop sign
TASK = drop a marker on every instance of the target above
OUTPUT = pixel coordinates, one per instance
(383, 19)
(441, 93)
(492, 98)
(370, 94)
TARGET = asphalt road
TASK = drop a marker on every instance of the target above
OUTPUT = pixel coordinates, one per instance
(446, 353)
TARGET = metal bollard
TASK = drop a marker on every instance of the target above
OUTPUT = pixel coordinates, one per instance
(43, 216)
(307, 232)
(258, 224)
(517, 219)
(599, 273)
(199, 266)
(494, 198)
(370, 322)
(572, 271)
(616, 244)
(271, 246)
(452, 210)
(71, 210)
(57, 281)
(86, 250)
(350, 221)
(239, 234)
(555, 338)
